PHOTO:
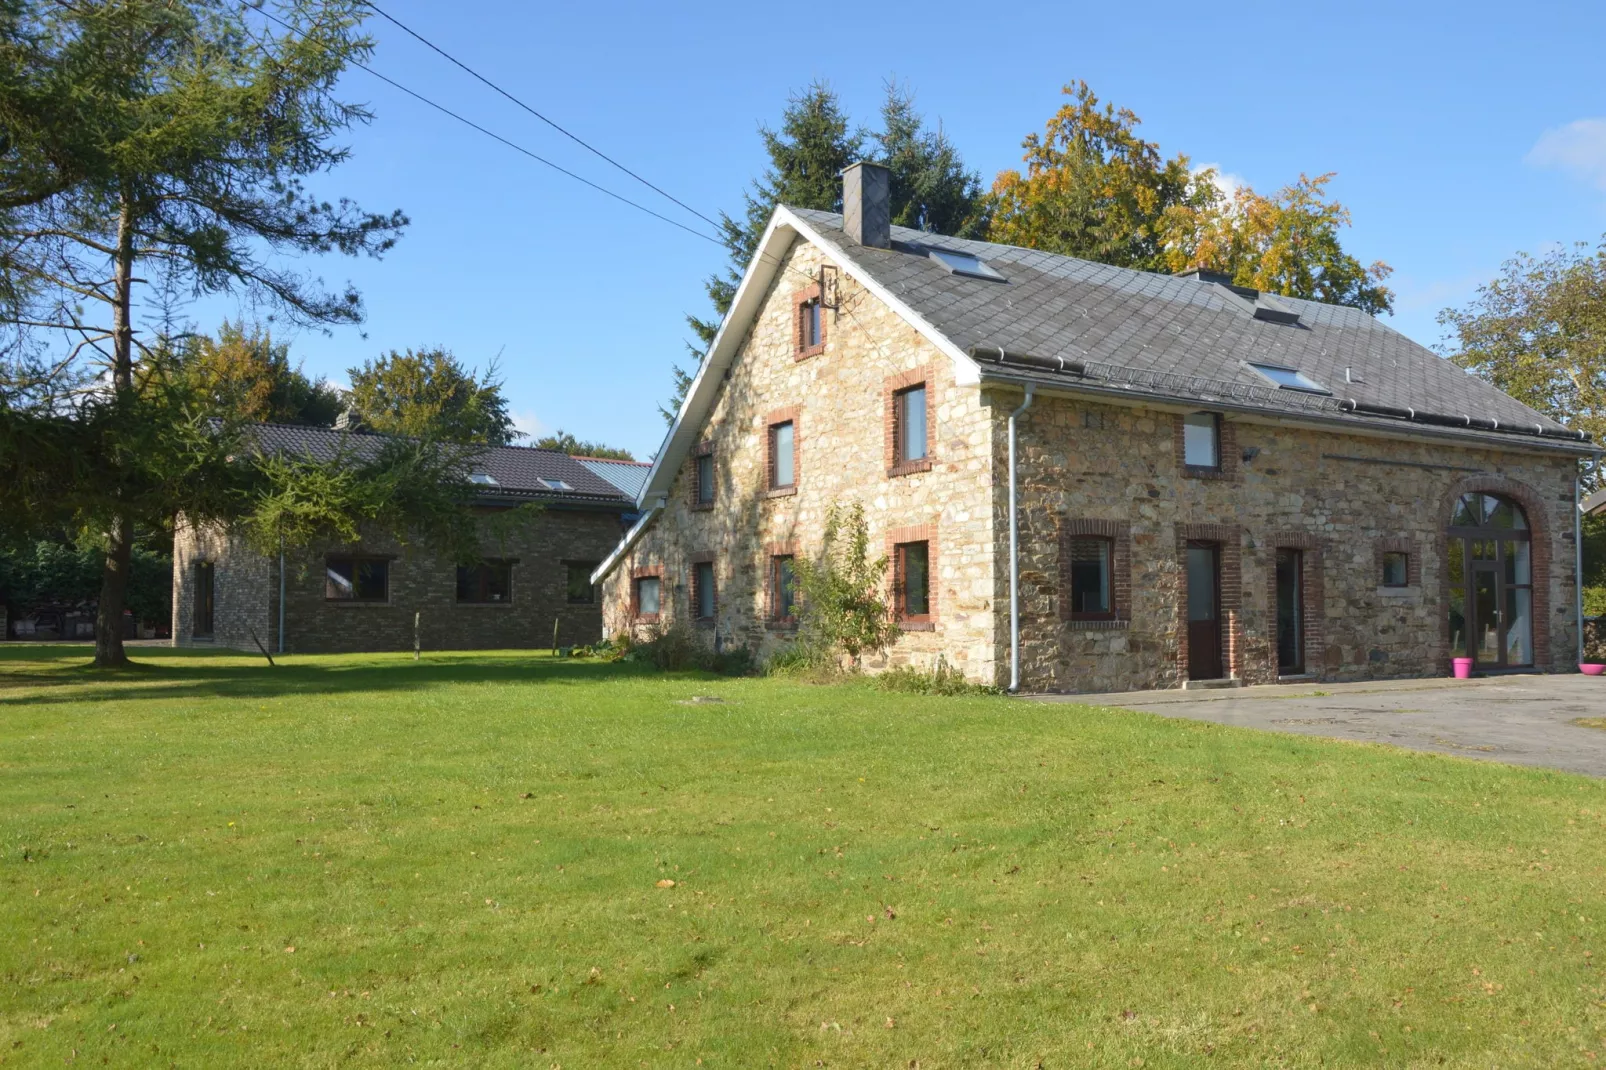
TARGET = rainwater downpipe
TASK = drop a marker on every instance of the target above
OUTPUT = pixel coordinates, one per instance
(1578, 551)
(281, 594)
(1014, 553)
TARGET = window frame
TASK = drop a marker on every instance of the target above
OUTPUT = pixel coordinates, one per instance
(1405, 577)
(703, 459)
(808, 310)
(695, 589)
(636, 578)
(776, 615)
(355, 560)
(900, 582)
(1107, 542)
(778, 420)
(483, 584)
(1215, 430)
(587, 567)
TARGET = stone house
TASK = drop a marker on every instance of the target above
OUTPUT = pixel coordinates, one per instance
(1088, 478)
(329, 598)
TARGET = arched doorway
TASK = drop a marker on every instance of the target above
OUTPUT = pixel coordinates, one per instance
(1490, 569)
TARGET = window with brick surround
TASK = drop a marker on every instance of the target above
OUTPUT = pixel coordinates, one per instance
(783, 589)
(1396, 568)
(1092, 568)
(703, 479)
(578, 588)
(349, 578)
(783, 455)
(487, 583)
(912, 581)
(809, 323)
(646, 593)
(703, 592)
(1201, 440)
(909, 425)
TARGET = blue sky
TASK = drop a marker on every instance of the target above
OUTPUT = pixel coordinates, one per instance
(1460, 133)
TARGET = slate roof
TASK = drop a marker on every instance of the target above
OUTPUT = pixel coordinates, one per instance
(628, 476)
(518, 470)
(1166, 336)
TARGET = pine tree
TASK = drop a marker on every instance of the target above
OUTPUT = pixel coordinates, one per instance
(931, 190)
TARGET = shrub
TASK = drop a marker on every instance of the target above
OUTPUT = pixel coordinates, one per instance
(680, 647)
(943, 679)
(840, 609)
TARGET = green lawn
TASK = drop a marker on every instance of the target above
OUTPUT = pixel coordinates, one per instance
(463, 861)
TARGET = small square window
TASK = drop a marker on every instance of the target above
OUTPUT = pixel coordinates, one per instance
(579, 590)
(648, 589)
(1201, 440)
(705, 479)
(912, 581)
(1396, 569)
(702, 590)
(487, 583)
(783, 588)
(1091, 590)
(909, 424)
(783, 469)
(356, 579)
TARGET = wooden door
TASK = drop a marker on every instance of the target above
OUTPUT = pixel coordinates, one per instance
(1204, 611)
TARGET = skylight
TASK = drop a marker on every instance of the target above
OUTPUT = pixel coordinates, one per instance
(483, 480)
(1290, 378)
(553, 484)
(964, 264)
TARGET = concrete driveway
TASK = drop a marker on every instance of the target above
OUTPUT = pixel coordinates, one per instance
(1527, 720)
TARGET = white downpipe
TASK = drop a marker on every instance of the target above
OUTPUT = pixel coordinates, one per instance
(1014, 553)
(281, 595)
(1578, 551)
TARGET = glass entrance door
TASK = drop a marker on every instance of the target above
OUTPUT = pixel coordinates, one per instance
(1204, 611)
(1490, 567)
(1290, 612)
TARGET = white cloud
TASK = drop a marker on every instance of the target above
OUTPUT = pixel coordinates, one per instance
(1578, 149)
(527, 422)
(1225, 181)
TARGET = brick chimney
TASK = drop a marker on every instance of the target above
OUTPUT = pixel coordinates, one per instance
(867, 204)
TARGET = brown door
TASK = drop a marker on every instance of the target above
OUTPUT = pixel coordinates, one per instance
(1290, 612)
(1204, 611)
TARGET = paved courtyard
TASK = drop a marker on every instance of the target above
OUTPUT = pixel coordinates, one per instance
(1528, 720)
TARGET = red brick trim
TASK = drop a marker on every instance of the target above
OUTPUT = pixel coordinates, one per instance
(1312, 579)
(772, 619)
(1119, 533)
(891, 387)
(926, 533)
(1226, 451)
(693, 593)
(788, 414)
(704, 449)
(645, 572)
(1230, 538)
(1540, 526)
(1413, 560)
(800, 351)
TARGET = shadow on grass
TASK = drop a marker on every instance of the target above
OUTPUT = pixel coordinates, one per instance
(54, 675)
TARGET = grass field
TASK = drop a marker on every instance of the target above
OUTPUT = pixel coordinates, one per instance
(363, 861)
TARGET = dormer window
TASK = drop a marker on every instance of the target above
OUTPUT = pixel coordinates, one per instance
(1287, 378)
(481, 479)
(553, 484)
(958, 263)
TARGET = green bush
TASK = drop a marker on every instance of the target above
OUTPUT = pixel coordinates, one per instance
(944, 679)
(57, 572)
(840, 610)
(680, 647)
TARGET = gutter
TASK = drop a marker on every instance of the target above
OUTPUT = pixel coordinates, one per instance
(1014, 551)
(631, 538)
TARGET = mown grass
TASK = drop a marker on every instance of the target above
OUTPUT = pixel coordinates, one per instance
(363, 861)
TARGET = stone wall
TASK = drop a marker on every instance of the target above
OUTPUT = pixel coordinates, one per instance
(1342, 499)
(840, 396)
(419, 583)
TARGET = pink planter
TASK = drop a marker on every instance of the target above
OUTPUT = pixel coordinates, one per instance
(1591, 669)
(1462, 667)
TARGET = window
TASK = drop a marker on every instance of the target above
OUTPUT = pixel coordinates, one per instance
(1290, 378)
(702, 591)
(1091, 593)
(577, 583)
(811, 332)
(912, 581)
(1396, 569)
(488, 582)
(205, 575)
(705, 480)
(647, 600)
(482, 479)
(909, 425)
(783, 589)
(553, 484)
(356, 579)
(783, 469)
(964, 264)
(1201, 440)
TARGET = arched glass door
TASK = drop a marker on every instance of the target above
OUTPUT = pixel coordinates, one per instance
(1490, 566)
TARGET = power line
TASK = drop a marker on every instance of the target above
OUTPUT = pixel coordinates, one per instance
(571, 136)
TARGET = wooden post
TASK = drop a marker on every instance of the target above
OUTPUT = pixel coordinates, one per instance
(418, 618)
(554, 636)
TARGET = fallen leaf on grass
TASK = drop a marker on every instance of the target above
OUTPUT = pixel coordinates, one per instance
(666, 883)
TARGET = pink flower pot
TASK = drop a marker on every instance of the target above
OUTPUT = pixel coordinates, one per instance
(1591, 669)
(1462, 667)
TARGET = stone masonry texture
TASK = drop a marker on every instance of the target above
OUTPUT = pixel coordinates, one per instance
(1088, 467)
(247, 590)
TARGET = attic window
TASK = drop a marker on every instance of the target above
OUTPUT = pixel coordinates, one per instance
(553, 484)
(1290, 378)
(964, 264)
(483, 480)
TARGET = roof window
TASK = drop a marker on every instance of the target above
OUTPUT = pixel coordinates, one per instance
(964, 264)
(483, 480)
(553, 484)
(1290, 378)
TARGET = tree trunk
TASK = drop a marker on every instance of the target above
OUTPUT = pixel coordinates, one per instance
(109, 652)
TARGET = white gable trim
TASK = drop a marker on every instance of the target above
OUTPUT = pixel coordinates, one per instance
(783, 227)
